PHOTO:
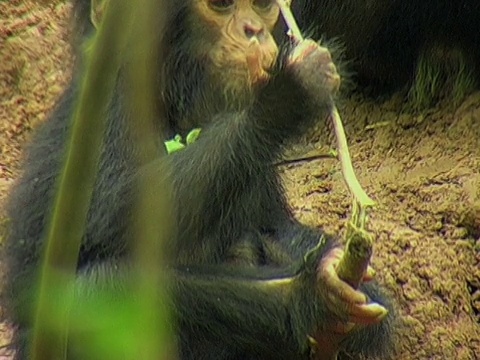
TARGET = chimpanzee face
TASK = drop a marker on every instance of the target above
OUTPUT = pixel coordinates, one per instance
(236, 37)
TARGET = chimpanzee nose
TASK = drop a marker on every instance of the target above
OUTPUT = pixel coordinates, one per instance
(252, 28)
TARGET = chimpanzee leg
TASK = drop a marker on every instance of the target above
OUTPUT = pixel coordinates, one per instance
(239, 310)
(374, 340)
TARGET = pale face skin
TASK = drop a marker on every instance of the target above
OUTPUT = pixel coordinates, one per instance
(240, 39)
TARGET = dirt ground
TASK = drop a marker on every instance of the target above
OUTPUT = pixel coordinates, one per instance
(423, 170)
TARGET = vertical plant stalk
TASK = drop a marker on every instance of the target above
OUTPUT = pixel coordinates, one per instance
(153, 220)
(66, 227)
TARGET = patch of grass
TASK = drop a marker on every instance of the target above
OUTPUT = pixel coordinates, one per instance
(442, 73)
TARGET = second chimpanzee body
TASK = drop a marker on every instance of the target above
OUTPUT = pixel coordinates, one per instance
(227, 196)
(384, 40)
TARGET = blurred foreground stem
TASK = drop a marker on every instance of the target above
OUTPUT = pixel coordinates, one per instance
(67, 224)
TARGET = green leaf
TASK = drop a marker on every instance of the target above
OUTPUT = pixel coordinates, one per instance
(174, 145)
(193, 135)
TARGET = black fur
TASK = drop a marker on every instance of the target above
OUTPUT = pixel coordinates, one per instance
(385, 38)
(226, 193)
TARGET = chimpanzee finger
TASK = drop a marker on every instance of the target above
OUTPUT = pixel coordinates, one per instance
(254, 53)
(254, 57)
(367, 314)
(369, 274)
(343, 327)
(341, 307)
(302, 50)
(339, 289)
(348, 303)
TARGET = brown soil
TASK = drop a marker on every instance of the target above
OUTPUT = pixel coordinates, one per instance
(424, 172)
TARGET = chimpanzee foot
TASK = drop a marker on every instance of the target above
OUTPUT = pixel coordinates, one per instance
(346, 303)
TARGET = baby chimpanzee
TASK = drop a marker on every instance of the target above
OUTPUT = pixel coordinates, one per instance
(220, 70)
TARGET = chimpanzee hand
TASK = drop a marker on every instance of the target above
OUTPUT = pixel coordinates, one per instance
(296, 95)
(313, 67)
(348, 304)
(259, 61)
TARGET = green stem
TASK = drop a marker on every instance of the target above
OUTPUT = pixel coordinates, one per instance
(75, 186)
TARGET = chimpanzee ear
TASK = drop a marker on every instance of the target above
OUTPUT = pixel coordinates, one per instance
(97, 9)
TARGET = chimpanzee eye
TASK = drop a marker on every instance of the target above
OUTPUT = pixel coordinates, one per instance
(221, 5)
(263, 4)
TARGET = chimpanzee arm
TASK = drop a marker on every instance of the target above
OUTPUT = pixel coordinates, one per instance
(221, 182)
